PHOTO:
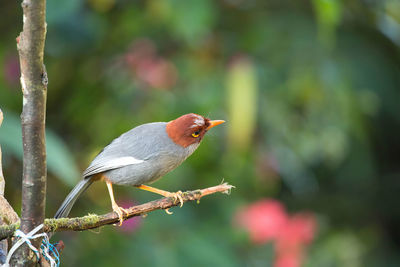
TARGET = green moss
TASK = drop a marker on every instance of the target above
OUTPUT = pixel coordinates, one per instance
(91, 219)
(7, 230)
(71, 223)
(54, 224)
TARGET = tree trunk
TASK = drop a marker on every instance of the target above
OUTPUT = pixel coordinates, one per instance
(34, 88)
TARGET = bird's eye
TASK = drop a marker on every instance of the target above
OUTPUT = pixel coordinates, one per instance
(196, 134)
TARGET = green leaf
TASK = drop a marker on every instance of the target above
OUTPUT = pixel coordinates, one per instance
(60, 161)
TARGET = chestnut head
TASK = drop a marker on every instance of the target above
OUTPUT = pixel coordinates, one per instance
(190, 129)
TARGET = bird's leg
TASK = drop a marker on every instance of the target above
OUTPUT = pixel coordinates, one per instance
(176, 195)
(120, 211)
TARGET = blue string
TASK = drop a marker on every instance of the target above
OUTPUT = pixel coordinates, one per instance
(52, 250)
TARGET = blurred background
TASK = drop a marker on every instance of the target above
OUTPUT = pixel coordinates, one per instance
(310, 93)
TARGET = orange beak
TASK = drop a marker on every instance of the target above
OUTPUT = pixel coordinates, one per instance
(214, 123)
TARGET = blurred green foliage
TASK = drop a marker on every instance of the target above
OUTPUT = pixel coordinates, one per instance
(60, 161)
(310, 93)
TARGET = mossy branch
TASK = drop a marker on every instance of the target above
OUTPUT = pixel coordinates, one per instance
(94, 221)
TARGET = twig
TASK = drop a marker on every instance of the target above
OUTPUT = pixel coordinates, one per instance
(94, 221)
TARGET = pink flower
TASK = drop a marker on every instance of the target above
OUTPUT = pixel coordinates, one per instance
(157, 73)
(288, 260)
(148, 68)
(264, 220)
(129, 225)
(298, 231)
(11, 69)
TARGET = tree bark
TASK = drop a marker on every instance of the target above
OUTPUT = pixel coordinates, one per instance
(34, 88)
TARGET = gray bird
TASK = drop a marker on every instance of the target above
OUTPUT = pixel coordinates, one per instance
(142, 155)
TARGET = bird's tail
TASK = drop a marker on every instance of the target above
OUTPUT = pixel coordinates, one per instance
(69, 201)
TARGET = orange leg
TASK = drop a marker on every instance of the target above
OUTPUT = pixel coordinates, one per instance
(176, 195)
(120, 211)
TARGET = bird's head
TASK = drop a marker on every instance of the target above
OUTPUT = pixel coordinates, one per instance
(190, 129)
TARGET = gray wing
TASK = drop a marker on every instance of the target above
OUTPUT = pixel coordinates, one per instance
(133, 147)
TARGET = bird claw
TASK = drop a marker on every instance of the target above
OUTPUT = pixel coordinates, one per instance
(121, 212)
(177, 196)
(168, 212)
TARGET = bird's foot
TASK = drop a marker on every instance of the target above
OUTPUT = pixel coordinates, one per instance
(176, 196)
(121, 212)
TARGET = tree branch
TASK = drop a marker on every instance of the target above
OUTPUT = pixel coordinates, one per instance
(94, 221)
(3, 243)
(7, 213)
(2, 182)
(34, 88)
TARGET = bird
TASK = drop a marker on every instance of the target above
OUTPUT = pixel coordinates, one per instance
(141, 156)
